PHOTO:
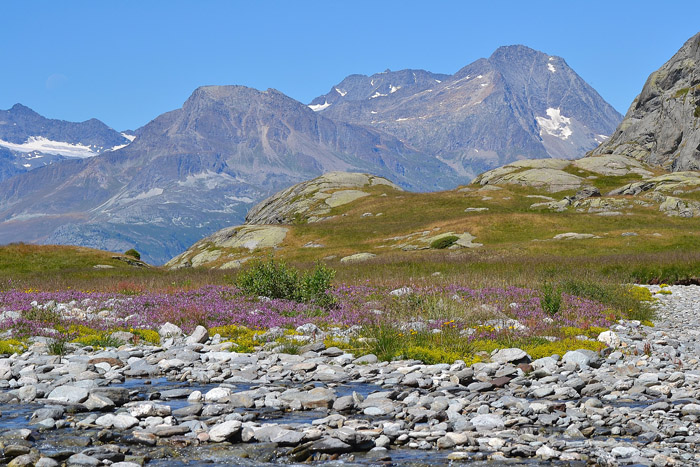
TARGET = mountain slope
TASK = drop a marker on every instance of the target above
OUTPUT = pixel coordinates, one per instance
(197, 169)
(662, 126)
(518, 103)
(28, 140)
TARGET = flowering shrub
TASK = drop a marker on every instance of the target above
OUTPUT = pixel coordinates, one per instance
(436, 323)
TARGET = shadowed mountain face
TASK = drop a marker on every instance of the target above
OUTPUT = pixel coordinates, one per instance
(662, 124)
(28, 140)
(518, 103)
(197, 169)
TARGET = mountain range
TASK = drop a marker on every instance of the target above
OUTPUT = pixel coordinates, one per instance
(194, 170)
(28, 140)
(518, 103)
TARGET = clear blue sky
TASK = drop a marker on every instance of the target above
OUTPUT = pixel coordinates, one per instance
(125, 62)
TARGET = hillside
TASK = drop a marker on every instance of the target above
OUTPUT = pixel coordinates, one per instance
(603, 220)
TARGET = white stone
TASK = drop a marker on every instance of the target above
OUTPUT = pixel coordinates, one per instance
(224, 431)
(609, 338)
(217, 395)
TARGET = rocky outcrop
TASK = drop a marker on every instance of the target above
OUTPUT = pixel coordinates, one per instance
(238, 241)
(310, 201)
(662, 126)
(547, 174)
(560, 175)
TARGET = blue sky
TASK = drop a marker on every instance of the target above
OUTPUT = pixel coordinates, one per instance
(127, 62)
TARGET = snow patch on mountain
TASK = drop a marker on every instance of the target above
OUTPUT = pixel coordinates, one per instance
(319, 107)
(341, 92)
(555, 124)
(46, 146)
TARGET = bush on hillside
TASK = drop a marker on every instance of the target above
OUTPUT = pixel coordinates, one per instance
(443, 242)
(133, 253)
(275, 279)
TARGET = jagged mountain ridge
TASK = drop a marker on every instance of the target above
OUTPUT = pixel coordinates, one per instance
(29, 140)
(519, 103)
(662, 126)
(197, 169)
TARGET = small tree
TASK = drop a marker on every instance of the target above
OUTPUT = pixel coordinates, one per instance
(133, 253)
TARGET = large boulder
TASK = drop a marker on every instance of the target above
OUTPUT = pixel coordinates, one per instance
(545, 174)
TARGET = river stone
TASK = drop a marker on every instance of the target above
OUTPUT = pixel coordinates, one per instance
(624, 451)
(98, 402)
(27, 393)
(582, 358)
(488, 422)
(169, 330)
(223, 431)
(149, 409)
(199, 336)
(47, 462)
(546, 453)
(71, 394)
(217, 395)
(512, 355)
(119, 396)
(330, 445)
(691, 409)
(119, 422)
(287, 437)
(25, 460)
(82, 459)
(314, 399)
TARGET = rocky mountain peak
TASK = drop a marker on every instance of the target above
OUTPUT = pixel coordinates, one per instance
(662, 126)
(517, 103)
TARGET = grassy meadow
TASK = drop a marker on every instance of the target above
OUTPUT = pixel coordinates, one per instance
(520, 288)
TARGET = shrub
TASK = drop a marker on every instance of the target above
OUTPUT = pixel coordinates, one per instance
(314, 286)
(385, 341)
(133, 253)
(276, 280)
(550, 299)
(443, 242)
(270, 279)
(58, 346)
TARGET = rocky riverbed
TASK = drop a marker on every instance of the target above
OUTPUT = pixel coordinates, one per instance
(191, 401)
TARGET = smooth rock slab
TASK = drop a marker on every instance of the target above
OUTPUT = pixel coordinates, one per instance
(224, 431)
(119, 422)
(330, 446)
(71, 394)
(199, 336)
(488, 422)
(513, 355)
